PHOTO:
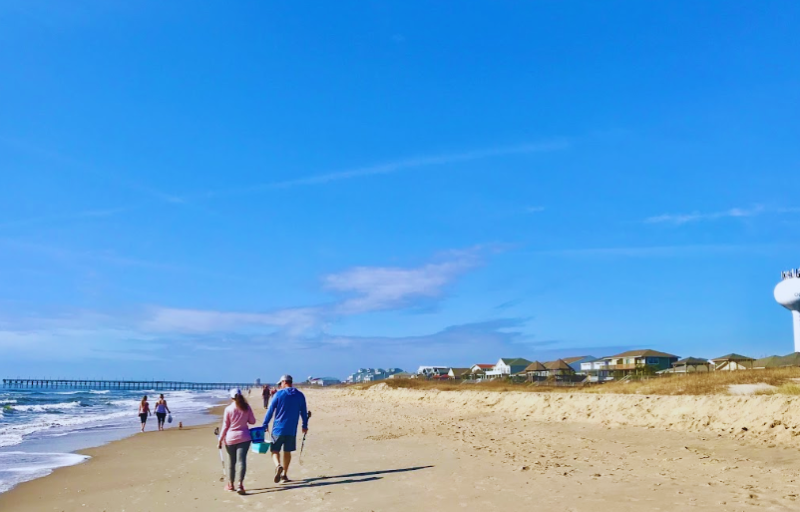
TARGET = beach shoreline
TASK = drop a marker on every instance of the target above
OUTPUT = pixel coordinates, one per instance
(36, 458)
(383, 450)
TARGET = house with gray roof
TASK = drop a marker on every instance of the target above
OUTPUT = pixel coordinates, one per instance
(732, 362)
(634, 361)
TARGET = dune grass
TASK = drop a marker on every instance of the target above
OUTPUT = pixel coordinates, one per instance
(787, 388)
(713, 383)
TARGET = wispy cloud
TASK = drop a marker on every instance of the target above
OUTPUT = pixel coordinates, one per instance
(75, 164)
(293, 321)
(685, 218)
(380, 288)
(360, 290)
(509, 304)
(660, 250)
(73, 256)
(398, 166)
(145, 334)
(77, 343)
(486, 332)
(42, 219)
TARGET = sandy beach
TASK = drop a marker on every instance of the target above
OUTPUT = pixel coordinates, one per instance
(398, 450)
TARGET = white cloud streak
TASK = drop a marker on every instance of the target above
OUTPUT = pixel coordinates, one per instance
(381, 288)
(136, 334)
(293, 321)
(88, 214)
(685, 218)
(363, 290)
(71, 256)
(67, 161)
(398, 166)
(661, 251)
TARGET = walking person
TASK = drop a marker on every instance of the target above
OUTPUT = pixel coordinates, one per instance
(161, 411)
(144, 411)
(288, 406)
(235, 434)
(265, 394)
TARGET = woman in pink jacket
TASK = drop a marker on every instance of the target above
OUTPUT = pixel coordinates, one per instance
(235, 434)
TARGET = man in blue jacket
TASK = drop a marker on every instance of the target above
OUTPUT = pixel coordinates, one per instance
(288, 405)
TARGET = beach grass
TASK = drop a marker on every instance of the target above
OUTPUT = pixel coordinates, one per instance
(785, 381)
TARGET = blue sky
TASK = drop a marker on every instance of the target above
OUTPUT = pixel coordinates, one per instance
(224, 190)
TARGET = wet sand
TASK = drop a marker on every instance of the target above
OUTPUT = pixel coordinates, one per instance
(379, 453)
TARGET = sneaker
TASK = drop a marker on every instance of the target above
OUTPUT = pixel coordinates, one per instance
(229, 486)
(285, 480)
(241, 490)
(278, 474)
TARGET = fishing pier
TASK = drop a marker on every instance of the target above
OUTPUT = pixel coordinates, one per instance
(157, 385)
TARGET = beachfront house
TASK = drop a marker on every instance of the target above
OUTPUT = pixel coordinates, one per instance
(559, 369)
(481, 367)
(324, 381)
(429, 372)
(401, 375)
(596, 371)
(638, 361)
(732, 362)
(478, 371)
(690, 365)
(536, 372)
(458, 373)
(507, 366)
(371, 374)
(576, 362)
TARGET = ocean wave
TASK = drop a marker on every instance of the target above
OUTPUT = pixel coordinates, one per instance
(46, 407)
(14, 434)
(10, 439)
(124, 403)
(30, 417)
(102, 392)
(18, 467)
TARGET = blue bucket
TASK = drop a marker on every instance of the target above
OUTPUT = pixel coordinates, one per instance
(257, 434)
(260, 447)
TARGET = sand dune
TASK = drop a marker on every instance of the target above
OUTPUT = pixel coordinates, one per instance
(766, 419)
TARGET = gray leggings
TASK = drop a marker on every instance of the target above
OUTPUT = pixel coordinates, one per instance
(237, 452)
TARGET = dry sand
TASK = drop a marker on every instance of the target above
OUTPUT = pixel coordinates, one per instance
(415, 450)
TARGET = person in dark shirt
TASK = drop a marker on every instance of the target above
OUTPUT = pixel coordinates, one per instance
(265, 394)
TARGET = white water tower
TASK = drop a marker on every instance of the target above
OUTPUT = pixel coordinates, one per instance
(787, 293)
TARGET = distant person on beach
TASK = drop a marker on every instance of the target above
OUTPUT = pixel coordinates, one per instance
(288, 406)
(161, 411)
(144, 411)
(266, 393)
(235, 434)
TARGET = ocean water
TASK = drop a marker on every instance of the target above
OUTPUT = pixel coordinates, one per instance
(40, 429)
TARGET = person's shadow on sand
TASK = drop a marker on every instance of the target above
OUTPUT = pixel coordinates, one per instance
(347, 479)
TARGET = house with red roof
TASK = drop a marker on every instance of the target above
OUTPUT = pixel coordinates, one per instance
(478, 371)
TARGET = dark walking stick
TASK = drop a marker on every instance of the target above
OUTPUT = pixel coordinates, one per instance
(303, 444)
